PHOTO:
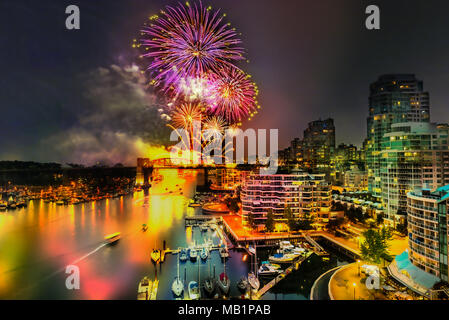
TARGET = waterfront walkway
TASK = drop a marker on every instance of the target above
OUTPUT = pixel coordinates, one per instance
(320, 288)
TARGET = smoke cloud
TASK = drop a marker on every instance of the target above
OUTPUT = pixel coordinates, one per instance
(118, 120)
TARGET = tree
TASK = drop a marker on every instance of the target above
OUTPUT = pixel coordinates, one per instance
(232, 204)
(306, 222)
(402, 228)
(251, 221)
(380, 219)
(269, 223)
(290, 218)
(375, 244)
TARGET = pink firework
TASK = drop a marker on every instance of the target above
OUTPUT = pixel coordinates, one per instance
(188, 42)
(234, 95)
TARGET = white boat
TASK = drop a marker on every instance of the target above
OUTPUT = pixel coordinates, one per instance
(204, 253)
(224, 253)
(183, 255)
(224, 283)
(193, 254)
(178, 285)
(144, 290)
(194, 290)
(252, 250)
(267, 269)
(282, 258)
(253, 281)
(286, 245)
(204, 227)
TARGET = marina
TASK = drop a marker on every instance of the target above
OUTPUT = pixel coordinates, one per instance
(153, 245)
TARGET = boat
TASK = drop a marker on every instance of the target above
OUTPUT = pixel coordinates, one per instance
(224, 253)
(224, 283)
(282, 258)
(193, 254)
(183, 256)
(204, 227)
(113, 237)
(144, 227)
(267, 269)
(286, 245)
(204, 253)
(194, 290)
(252, 250)
(243, 284)
(3, 206)
(153, 294)
(194, 205)
(178, 285)
(60, 203)
(156, 255)
(144, 290)
(253, 281)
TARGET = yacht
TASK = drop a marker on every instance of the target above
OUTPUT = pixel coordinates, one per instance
(183, 256)
(204, 253)
(243, 284)
(282, 258)
(224, 253)
(224, 283)
(193, 254)
(3, 206)
(194, 290)
(112, 238)
(253, 281)
(178, 285)
(155, 255)
(267, 269)
(144, 290)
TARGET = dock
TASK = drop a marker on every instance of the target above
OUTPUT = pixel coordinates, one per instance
(294, 266)
(319, 250)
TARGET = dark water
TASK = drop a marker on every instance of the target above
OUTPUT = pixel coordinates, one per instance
(38, 242)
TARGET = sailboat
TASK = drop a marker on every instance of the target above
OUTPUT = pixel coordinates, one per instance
(223, 281)
(209, 283)
(252, 276)
(178, 285)
(194, 288)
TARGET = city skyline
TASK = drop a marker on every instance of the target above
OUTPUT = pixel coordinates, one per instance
(297, 73)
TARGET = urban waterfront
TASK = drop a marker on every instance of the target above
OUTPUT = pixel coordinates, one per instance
(39, 241)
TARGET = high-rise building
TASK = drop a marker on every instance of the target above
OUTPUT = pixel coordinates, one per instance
(394, 98)
(427, 227)
(319, 144)
(413, 155)
(300, 191)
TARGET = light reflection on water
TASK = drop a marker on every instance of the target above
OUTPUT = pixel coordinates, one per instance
(38, 242)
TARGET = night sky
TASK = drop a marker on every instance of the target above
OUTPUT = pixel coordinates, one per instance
(62, 101)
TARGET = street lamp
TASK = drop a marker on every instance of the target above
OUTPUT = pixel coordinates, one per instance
(354, 285)
(358, 267)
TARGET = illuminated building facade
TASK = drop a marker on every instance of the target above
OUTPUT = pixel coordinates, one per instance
(413, 155)
(300, 191)
(318, 145)
(427, 226)
(394, 98)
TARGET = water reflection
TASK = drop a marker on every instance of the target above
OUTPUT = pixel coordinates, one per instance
(38, 242)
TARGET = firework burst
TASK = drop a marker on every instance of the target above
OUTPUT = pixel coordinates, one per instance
(216, 125)
(188, 42)
(234, 95)
(186, 114)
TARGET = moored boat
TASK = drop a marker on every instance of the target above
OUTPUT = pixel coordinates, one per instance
(243, 284)
(155, 255)
(193, 254)
(224, 283)
(253, 281)
(144, 290)
(194, 290)
(183, 256)
(204, 253)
